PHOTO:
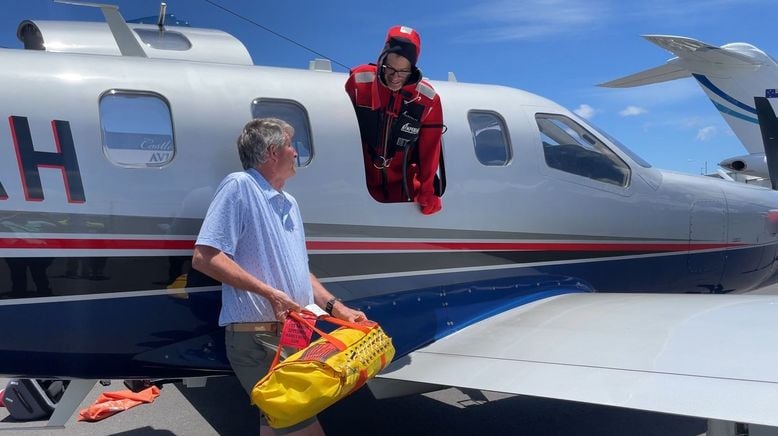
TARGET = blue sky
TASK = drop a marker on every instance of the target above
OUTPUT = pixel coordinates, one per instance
(559, 49)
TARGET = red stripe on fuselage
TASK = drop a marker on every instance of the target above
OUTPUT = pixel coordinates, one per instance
(514, 246)
(96, 244)
(347, 246)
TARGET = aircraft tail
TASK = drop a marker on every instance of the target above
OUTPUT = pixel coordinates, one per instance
(662, 73)
(768, 124)
(730, 75)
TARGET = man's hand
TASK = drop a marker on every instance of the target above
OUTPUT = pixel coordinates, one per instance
(341, 311)
(281, 303)
(429, 204)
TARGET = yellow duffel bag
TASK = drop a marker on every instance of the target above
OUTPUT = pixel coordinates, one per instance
(317, 376)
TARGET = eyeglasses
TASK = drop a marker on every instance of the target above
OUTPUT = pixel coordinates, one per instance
(403, 74)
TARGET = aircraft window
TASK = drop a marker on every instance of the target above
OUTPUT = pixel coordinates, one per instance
(639, 160)
(166, 40)
(137, 128)
(490, 138)
(294, 114)
(569, 147)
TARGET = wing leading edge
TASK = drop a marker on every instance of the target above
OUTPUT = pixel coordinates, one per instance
(711, 356)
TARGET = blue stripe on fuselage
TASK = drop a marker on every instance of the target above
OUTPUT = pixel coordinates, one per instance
(176, 335)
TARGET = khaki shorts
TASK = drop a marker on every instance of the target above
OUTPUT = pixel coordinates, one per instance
(250, 355)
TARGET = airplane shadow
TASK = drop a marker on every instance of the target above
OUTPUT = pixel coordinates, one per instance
(361, 414)
(220, 394)
(144, 431)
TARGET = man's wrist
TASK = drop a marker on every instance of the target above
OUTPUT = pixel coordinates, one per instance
(331, 305)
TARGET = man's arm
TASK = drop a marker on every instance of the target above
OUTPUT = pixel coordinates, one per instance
(429, 156)
(216, 264)
(339, 310)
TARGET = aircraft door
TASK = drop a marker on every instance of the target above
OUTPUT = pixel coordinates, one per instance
(707, 224)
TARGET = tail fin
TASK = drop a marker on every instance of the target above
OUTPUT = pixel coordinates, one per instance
(662, 73)
(768, 125)
(730, 75)
(690, 52)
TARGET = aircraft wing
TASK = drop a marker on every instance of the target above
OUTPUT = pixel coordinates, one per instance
(662, 73)
(687, 49)
(711, 356)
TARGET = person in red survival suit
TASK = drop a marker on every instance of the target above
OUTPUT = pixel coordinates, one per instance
(400, 122)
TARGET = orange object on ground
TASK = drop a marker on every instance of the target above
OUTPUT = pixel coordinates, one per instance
(110, 403)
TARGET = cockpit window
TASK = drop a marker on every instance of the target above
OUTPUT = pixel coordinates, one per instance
(569, 147)
(490, 138)
(136, 128)
(165, 40)
(638, 160)
(294, 114)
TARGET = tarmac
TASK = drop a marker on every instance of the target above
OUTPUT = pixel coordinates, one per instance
(222, 408)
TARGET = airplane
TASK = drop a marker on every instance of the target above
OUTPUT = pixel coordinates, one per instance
(730, 75)
(562, 264)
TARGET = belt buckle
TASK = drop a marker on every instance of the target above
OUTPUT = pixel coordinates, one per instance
(255, 327)
(271, 327)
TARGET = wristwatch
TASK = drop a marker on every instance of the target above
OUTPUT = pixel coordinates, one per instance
(330, 305)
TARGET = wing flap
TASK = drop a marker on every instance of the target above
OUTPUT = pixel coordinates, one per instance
(709, 356)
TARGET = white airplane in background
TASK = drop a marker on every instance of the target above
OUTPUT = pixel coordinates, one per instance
(562, 265)
(731, 76)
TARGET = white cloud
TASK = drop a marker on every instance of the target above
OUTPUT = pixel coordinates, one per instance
(675, 9)
(585, 111)
(693, 122)
(706, 133)
(632, 111)
(508, 20)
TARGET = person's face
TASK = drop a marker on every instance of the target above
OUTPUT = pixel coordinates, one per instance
(286, 159)
(396, 70)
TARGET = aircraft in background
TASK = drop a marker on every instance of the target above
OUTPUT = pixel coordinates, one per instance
(731, 76)
(560, 266)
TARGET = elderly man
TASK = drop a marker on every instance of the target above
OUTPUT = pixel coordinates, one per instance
(252, 241)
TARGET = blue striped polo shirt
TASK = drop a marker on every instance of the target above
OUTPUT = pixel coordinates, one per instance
(261, 229)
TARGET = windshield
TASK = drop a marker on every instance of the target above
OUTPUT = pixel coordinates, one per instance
(632, 155)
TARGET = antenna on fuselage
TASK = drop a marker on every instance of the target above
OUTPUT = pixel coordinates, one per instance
(128, 45)
(162, 12)
(768, 125)
(248, 20)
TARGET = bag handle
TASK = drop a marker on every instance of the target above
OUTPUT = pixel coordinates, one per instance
(296, 316)
(364, 327)
(328, 337)
(331, 339)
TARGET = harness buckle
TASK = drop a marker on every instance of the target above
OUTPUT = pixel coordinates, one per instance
(381, 162)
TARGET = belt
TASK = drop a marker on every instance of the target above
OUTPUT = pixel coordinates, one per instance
(254, 327)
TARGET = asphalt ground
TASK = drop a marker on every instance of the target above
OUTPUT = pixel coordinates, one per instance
(222, 408)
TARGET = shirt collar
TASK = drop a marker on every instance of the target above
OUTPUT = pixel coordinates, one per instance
(277, 199)
(266, 187)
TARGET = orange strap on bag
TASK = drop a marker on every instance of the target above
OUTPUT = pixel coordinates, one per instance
(317, 376)
(331, 339)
